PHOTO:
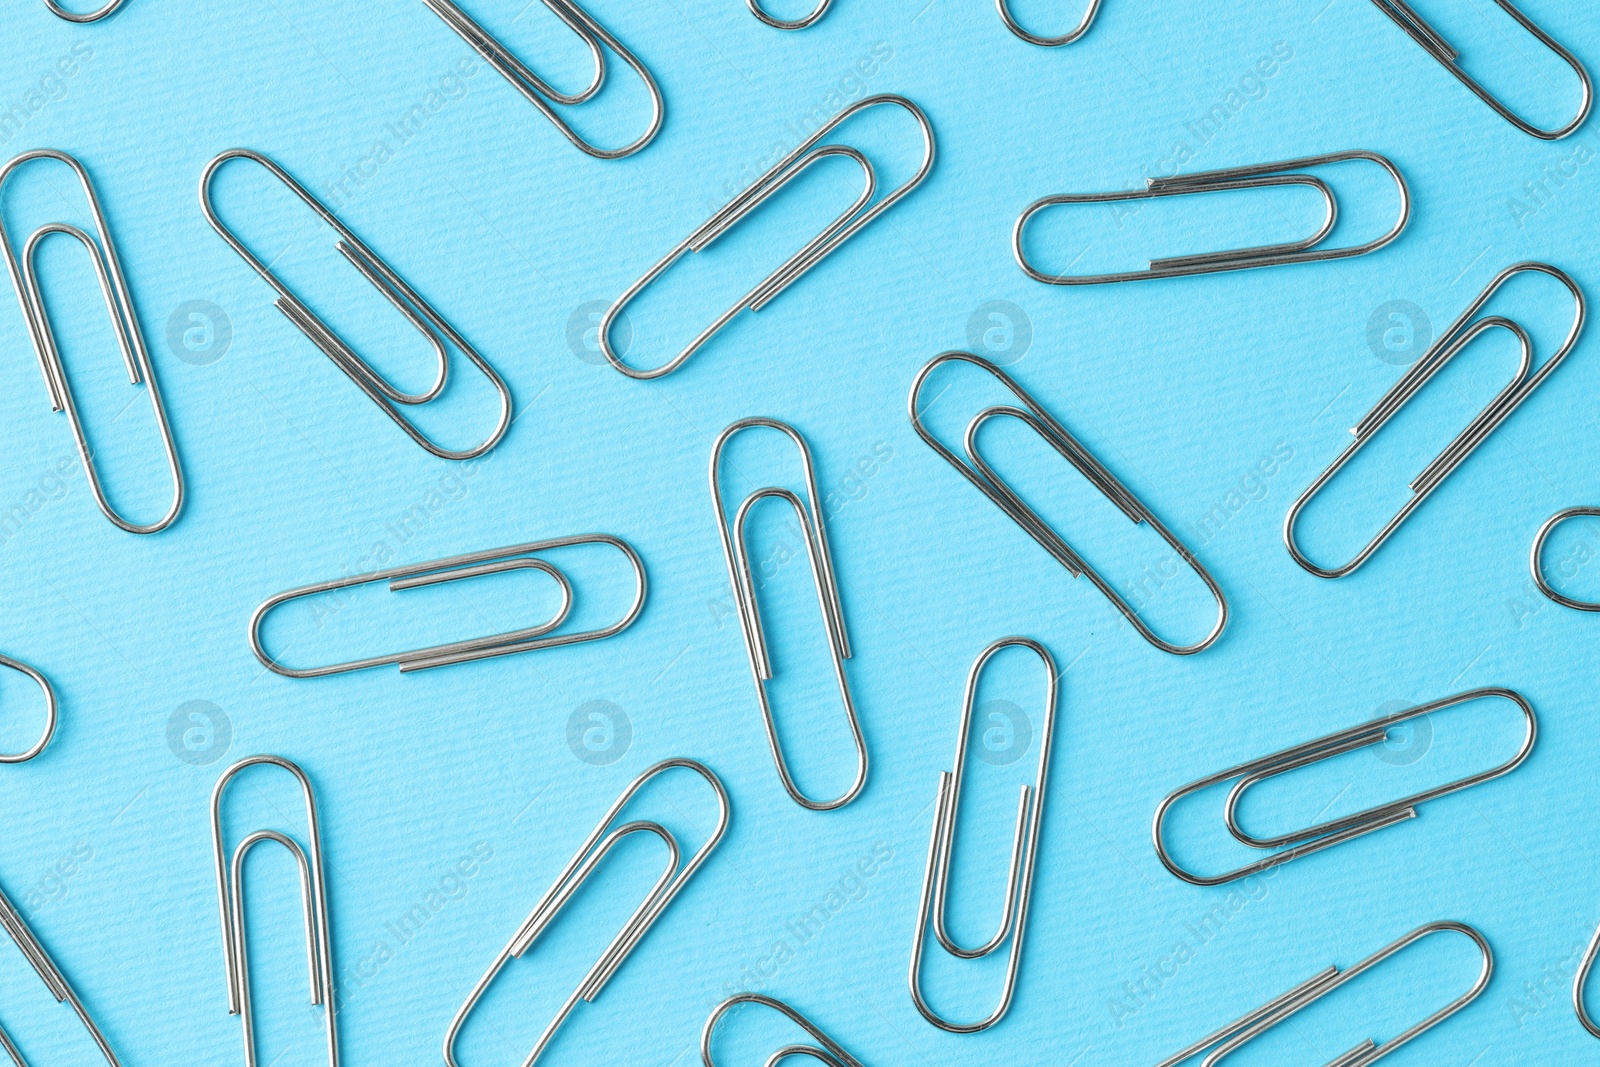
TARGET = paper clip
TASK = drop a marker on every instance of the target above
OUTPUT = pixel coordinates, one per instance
(1536, 564)
(980, 474)
(815, 532)
(1024, 850)
(458, 568)
(1580, 980)
(313, 899)
(1286, 172)
(540, 93)
(1435, 45)
(124, 320)
(89, 16)
(836, 233)
(1082, 28)
(826, 1051)
(571, 880)
(789, 24)
(49, 711)
(1241, 1031)
(1335, 831)
(417, 311)
(1461, 334)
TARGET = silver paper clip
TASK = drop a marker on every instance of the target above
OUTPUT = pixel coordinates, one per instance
(1536, 564)
(124, 320)
(454, 569)
(313, 899)
(571, 880)
(977, 471)
(540, 93)
(856, 217)
(1323, 835)
(815, 532)
(1286, 172)
(96, 15)
(1024, 851)
(826, 1051)
(45, 967)
(1462, 333)
(1435, 45)
(1071, 35)
(1242, 1031)
(49, 711)
(1580, 980)
(417, 311)
(788, 24)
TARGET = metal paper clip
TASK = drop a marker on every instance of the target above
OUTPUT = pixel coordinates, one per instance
(1580, 980)
(1024, 850)
(980, 474)
(1536, 557)
(1461, 334)
(417, 311)
(540, 93)
(124, 320)
(49, 711)
(1335, 831)
(1305, 250)
(836, 233)
(458, 568)
(826, 1051)
(1082, 28)
(1435, 45)
(45, 967)
(1241, 1031)
(96, 15)
(571, 880)
(788, 24)
(313, 899)
(815, 532)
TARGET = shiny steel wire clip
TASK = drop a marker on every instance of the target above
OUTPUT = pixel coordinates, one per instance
(1435, 45)
(1024, 851)
(50, 712)
(855, 218)
(1004, 7)
(1580, 980)
(1323, 835)
(313, 899)
(105, 11)
(540, 93)
(788, 24)
(124, 321)
(1286, 172)
(734, 550)
(571, 880)
(1536, 562)
(977, 471)
(417, 311)
(826, 1051)
(1462, 333)
(1243, 1030)
(454, 569)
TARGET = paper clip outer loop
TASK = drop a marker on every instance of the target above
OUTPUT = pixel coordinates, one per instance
(1432, 42)
(1260, 176)
(846, 226)
(1536, 565)
(1581, 980)
(50, 711)
(105, 11)
(814, 527)
(826, 1051)
(789, 24)
(1460, 334)
(981, 476)
(1004, 7)
(456, 568)
(1024, 850)
(540, 93)
(124, 321)
(314, 899)
(1336, 831)
(571, 879)
(394, 289)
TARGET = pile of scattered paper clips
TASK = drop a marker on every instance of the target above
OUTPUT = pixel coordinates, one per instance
(1271, 850)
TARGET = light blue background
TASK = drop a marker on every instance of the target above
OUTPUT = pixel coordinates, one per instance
(1181, 387)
